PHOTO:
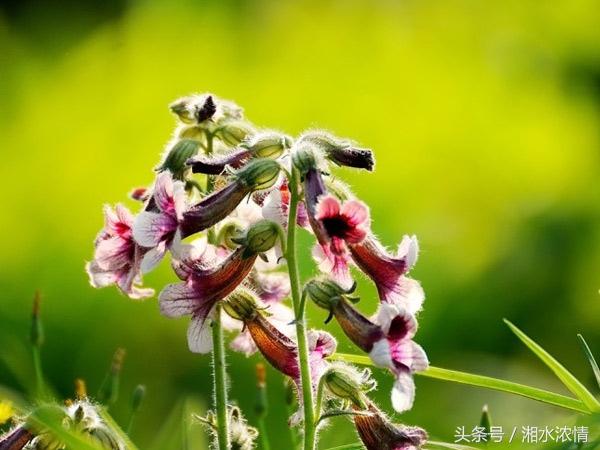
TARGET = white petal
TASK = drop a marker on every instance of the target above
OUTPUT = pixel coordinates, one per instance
(381, 354)
(178, 299)
(403, 392)
(149, 228)
(153, 257)
(200, 335)
(409, 249)
(244, 343)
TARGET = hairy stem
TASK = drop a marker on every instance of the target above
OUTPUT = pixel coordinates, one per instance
(307, 394)
(220, 381)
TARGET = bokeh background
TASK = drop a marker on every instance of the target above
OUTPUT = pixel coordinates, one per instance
(484, 117)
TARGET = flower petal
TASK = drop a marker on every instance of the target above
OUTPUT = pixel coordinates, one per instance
(408, 249)
(199, 335)
(403, 392)
(153, 257)
(150, 228)
(327, 207)
(356, 213)
(178, 299)
(163, 193)
(243, 343)
(396, 321)
(113, 253)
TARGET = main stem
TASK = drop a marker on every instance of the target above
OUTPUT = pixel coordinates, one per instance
(307, 394)
(220, 381)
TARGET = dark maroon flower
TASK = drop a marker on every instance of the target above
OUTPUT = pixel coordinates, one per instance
(16, 439)
(256, 175)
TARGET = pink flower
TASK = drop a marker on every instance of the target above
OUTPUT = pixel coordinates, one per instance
(345, 225)
(378, 433)
(206, 280)
(388, 271)
(387, 337)
(276, 207)
(156, 227)
(118, 259)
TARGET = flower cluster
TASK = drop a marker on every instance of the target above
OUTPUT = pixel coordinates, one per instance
(221, 206)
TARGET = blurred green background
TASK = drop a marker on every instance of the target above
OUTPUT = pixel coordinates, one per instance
(484, 117)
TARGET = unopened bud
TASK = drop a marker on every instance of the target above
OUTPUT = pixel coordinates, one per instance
(341, 152)
(348, 383)
(259, 174)
(139, 393)
(241, 305)
(105, 438)
(268, 145)
(109, 392)
(327, 293)
(304, 159)
(37, 329)
(261, 237)
(176, 159)
(80, 389)
(139, 194)
(194, 108)
(233, 133)
(261, 395)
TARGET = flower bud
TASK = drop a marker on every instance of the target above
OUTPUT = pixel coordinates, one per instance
(178, 155)
(241, 305)
(37, 330)
(326, 293)
(268, 145)
(341, 152)
(259, 174)
(304, 159)
(232, 133)
(260, 237)
(347, 383)
(139, 393)
(194, 108)
(182, 108)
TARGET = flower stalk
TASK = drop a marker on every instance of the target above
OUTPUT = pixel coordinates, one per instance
(291, 256)
(220, 381)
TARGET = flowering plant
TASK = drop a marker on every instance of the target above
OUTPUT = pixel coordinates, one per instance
(226, 204)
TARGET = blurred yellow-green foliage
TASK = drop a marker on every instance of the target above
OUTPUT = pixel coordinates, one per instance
(485, 120)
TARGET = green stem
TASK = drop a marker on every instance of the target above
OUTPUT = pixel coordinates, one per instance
(307, 394)
(37, 366)
(319, 401)
(220, 381)
(264, 436)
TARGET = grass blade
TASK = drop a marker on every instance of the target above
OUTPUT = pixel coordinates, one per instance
(356, 446)
(436, 444)
(110, 422)
(590, 357)
(485, 382)
(567, 378)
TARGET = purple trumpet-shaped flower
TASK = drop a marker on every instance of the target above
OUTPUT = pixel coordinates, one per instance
(207, 280)
(156, 227)
(118, 259)
(388, 271)
(279, 349)
(340, 152)
(387, 338)
(256, 175)
(378, 433)
(264, 145)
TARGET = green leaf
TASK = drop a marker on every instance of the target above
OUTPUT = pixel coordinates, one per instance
(485, 382)
(110, 422)
(567, 378)
(356, 446)
(436, 444)
(590, 357)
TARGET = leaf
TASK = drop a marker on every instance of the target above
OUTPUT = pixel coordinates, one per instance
(485, 382)
(356, 446)
(110, 422)
(590, 357)
(436, 444)
(567, 378)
